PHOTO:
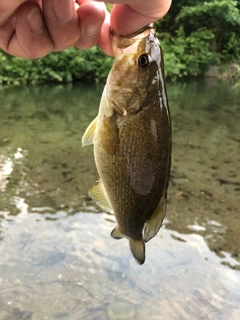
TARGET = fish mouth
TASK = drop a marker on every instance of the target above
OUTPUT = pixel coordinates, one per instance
(129, 43)
(136, 33)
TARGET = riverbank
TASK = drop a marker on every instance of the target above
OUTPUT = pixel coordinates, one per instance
(226, 71)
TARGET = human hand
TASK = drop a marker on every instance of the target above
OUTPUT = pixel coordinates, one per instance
(32, 29)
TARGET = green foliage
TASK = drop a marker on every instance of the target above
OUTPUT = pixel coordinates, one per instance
(188, 56)
(197, 34)
(69, 65)
(222, 17)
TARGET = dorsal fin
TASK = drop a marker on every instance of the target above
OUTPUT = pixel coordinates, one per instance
(88, 136)
(154, 223)
(99, 194)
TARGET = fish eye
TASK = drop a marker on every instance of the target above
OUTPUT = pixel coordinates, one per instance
(143, 60)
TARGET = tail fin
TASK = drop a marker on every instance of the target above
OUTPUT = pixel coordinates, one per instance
(137, 246)
(138, 250)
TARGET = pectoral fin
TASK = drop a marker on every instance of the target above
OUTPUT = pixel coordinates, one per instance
(154, 223)
(137, 246)
(108, 134)
(88, 136)
(99, 194)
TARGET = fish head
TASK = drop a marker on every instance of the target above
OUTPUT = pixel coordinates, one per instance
(136, 70)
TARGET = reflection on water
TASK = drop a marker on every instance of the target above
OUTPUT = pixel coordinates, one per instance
(57, 259)
(6, 167)
(70, 268)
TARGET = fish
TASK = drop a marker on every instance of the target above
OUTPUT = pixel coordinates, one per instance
(132, 140)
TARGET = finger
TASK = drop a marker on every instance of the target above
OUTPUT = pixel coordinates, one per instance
(104, 39)
(128, 16)
(7, 9)
(26, 35)
(126, 20)
(6, 33)
(62, 22)
(91, 15)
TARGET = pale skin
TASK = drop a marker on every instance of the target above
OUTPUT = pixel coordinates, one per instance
(32, 29)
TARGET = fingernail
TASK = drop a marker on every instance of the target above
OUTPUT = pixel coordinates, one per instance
(35, 21)
(92, 30)
(63, 10)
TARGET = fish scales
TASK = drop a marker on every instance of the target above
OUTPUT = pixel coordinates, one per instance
(132, 140)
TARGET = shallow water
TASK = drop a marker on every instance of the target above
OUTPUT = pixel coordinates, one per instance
(57, 259)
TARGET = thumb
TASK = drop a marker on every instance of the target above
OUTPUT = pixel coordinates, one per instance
(126, 19)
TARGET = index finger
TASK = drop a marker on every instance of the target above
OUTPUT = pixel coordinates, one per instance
(7, 9)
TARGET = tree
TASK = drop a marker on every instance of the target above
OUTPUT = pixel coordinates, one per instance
(197, 34)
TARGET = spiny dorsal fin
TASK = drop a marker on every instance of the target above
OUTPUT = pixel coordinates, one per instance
(99, 194)
(154, 223)
(89, 133)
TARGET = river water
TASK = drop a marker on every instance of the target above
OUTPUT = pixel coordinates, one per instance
(57, 259)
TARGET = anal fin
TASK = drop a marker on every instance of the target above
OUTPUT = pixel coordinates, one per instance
(116, 234)
(99, 194)
(153, 225)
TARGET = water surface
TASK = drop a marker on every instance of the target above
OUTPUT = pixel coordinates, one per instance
(57, 259)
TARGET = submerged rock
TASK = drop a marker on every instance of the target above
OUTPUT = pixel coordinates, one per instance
(121, 310)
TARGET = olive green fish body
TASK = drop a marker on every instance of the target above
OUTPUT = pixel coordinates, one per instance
(132, 142)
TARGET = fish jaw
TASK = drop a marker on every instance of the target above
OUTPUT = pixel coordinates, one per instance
(128, 44)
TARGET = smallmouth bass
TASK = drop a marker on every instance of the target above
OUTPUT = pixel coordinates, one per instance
(132, 140)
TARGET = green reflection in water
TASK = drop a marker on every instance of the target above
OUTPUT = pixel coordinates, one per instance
(40, 139)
